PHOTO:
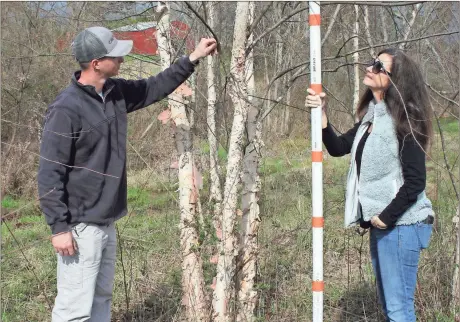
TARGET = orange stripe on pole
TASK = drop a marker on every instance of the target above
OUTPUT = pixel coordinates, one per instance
(316, 156)
(318, 88)
(317, 222)
(314, 19)
(317, 286)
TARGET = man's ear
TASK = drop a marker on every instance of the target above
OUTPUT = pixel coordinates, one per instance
(95, 65)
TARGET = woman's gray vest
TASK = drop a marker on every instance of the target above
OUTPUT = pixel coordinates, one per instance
(381, 172)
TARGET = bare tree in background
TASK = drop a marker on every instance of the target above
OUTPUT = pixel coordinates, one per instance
(410, 23)
(356, 75)
(368, 31)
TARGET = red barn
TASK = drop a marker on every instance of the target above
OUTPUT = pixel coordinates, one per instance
(143, 35)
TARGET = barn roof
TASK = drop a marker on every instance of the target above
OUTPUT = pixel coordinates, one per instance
(137, 26)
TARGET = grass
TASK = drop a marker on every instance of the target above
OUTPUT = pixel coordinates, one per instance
(10, 203)
(149, 246)
(448, 124)
(127, 21)
(148, 238)
(221, 152)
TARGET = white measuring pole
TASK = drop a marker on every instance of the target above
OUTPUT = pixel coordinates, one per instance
(317, 162)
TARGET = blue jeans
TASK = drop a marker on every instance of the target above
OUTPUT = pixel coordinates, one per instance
(395, 255)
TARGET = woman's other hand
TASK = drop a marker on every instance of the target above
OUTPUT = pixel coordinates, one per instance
(377, 223)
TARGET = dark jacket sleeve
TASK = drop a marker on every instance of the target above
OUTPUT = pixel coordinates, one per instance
(56, 150)
(338, 146)
(414, 173)
(141, 93)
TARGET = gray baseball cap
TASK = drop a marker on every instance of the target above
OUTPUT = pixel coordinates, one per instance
(97, 42)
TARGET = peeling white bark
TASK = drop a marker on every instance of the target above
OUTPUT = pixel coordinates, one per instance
(191, 111)
(455, 296)
(194, 297)
(215, 197)
(247, 295)
(224, 293)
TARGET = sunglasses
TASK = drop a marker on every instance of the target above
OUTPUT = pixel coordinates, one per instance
(377, 67)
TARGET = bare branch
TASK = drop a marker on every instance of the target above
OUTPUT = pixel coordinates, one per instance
(444, 97)
(269, 30)
(377, 3)
(205, 24)
(329, 28)
(448, 167)
(368, 30)
(359, 50)
(100, 20)
(384, 30)
(410, 24)
(257, 20)
(139, 57)
(394, 43)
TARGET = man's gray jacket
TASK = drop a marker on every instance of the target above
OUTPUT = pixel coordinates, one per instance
(82, 171)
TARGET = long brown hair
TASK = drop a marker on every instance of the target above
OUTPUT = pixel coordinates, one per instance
(408, 80)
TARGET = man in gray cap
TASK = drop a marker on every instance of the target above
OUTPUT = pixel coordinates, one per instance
(82, 172)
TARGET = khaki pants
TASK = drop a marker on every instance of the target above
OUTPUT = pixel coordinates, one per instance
(85, 280)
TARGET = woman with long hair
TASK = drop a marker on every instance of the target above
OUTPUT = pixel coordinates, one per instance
(387, 175)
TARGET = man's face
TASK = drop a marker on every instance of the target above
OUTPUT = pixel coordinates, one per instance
(109, 66)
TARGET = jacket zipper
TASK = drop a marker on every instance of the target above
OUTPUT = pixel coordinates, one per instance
(104, 96)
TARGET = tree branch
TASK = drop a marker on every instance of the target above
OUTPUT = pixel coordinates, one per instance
(257, 20)
(331, 24)
(444, 97)
(39, 55)
(100, 20)
(410, 23)
(378, 4)
(251, 46)
(205, 24)
(443, 145)
(368, 30)
(393, 43)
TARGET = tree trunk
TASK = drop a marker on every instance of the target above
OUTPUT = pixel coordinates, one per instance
(455, 296)
(331, 24)
(194, 297)
(269, 93)
(287, 113)
(368, 31)
(355, 64)
(384, 24)
(247, 295)
(215, 196)
(410, 24)
(455, 300)
(226, 266)
(279, 59)
(191, 111)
